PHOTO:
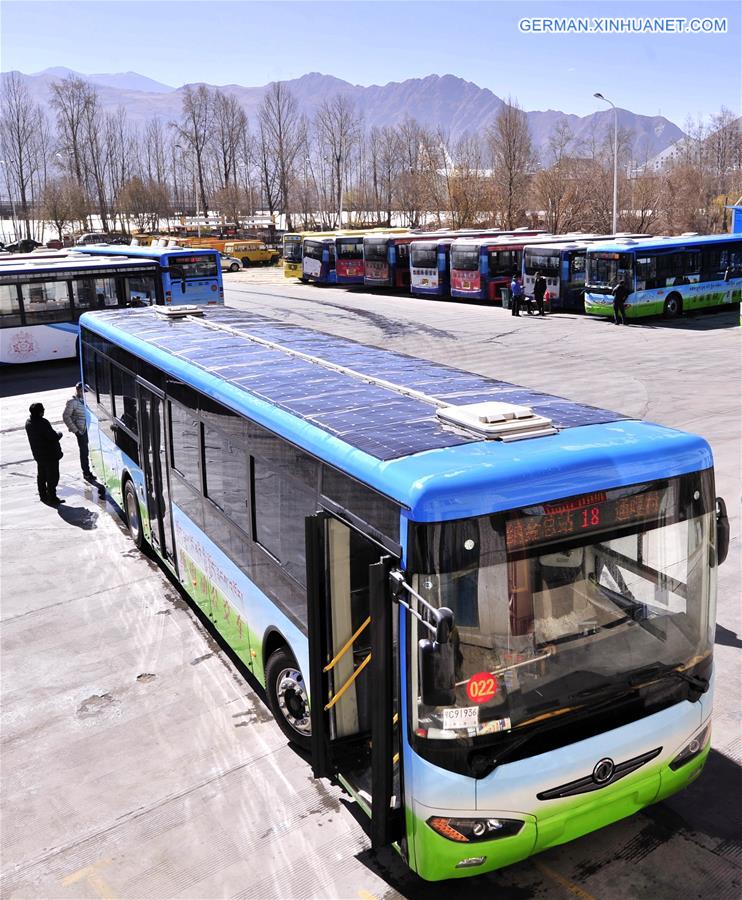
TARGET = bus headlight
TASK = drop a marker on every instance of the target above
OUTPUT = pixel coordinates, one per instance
(693, 748)
(467, 831)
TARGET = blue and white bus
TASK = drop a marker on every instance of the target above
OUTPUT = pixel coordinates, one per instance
(487, 611)
(665, 275)
(43, 294)
(189, 276)
(430, 271)
(318, 260)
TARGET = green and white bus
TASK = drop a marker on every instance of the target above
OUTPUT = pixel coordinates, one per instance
(487, 611)
(666, 276)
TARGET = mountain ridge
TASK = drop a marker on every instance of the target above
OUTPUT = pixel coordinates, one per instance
(436, 101)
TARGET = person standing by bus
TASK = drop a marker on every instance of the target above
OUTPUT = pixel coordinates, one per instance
(74, 418)
(539, 289)
(516, 295)
(620, 295)
(47, 452)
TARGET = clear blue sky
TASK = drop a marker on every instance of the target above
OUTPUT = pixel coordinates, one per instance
(252, 43)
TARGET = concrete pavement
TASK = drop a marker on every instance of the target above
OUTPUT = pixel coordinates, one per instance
(139, 761)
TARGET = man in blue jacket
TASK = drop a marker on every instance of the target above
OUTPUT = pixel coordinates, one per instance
(516, 295)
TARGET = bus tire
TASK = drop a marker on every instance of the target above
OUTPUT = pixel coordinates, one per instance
(133, 516)
(287, 697)
(673, 306)
(246, 262)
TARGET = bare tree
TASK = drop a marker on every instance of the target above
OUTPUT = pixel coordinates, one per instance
(70, 97)
(195, 132)
(230, 124)
(338, 131)
(21, 132)
(511, 151)
(63, 202)
(282, 135)
(467, 185)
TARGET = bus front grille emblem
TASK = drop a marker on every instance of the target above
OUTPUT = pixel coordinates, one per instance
(603, 771)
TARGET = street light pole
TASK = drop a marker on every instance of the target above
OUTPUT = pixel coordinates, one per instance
(615, 158)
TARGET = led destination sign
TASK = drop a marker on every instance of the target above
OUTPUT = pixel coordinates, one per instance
(580, 515)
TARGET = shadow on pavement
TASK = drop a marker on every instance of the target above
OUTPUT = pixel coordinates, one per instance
(726, 638)
(39, 377)
(78, 516)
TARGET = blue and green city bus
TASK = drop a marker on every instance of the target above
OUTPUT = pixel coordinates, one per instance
(665, 275)
(189, 276)
(487, 611)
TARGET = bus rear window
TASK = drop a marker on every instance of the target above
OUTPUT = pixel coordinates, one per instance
(193, 266)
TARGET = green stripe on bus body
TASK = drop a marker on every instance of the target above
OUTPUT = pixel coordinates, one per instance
(555, 822)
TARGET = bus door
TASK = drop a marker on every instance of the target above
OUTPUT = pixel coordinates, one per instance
(352, 666)
(154, 462)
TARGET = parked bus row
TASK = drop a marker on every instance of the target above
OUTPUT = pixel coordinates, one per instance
(44, 293)
(664, 275)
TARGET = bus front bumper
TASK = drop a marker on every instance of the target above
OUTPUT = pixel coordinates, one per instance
(438, 858)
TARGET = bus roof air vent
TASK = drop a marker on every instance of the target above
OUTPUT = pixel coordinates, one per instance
(629, 242)
(178, 312)
(497, 420)
(689, 234)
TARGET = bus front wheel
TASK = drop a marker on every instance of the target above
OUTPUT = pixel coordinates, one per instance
(673, 306)
(288, 698)
(133, 518)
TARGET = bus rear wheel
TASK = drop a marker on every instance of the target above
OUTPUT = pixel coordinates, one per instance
(288, 698)
(133, 518)
(673, 306)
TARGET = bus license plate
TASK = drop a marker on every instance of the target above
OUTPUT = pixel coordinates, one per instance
(461, 717)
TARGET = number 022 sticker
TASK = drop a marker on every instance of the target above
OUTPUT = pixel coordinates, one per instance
(481, 687)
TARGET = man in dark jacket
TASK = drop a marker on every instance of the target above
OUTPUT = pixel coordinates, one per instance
(539, 289)
(620, 296)
(44, 441)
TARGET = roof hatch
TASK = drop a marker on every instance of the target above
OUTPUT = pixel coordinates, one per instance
(178, 312)
(497, 420)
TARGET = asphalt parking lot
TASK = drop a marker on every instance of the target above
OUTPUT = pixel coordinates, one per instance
(139, 761)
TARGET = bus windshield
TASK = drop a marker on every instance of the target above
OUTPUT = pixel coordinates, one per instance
(465, 259)
(314, 249)
(292, 251)
(605, 269)
(557, 605)
(544, 261)
(350, 249)
(201, 266)
(375, 251)
(424, 257)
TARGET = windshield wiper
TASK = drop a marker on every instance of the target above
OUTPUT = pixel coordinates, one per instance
(697, 682)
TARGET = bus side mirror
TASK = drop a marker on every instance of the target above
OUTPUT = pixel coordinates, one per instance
(437, 667)
(722, 531)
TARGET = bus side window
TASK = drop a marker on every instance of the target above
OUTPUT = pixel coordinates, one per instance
(692, 266)
(280, 507)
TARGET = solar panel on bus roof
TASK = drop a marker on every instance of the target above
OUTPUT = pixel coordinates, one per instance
(378, 420)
